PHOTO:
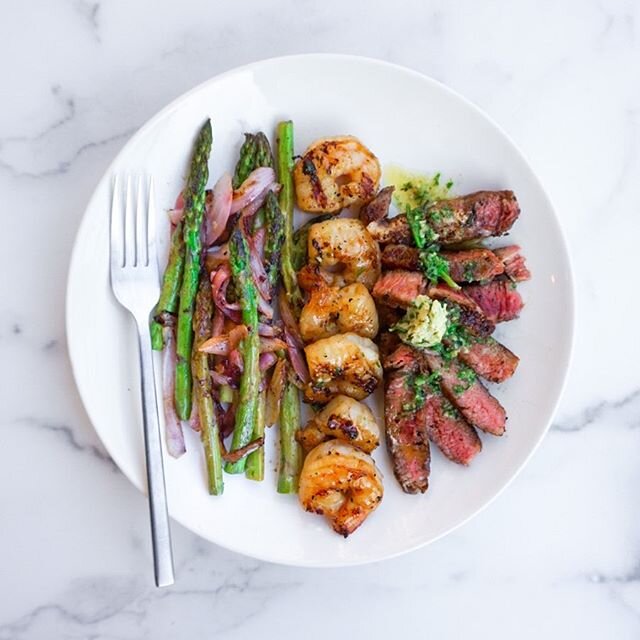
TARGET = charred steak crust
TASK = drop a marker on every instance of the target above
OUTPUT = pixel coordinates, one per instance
(400, 256)
(473, 265)
(471, 315)
(378, 208)
(476, 215)
(406, 430)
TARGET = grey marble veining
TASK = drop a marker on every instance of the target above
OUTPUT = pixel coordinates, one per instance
(557, 555)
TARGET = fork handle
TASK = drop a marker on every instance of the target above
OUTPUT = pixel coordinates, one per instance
(160, 531)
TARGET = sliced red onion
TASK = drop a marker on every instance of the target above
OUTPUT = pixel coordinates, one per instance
(223, 344)
(260, 276)
(194, 418)
(235, 360)
(177, 213)
(269, 345)
(217, 215)
(267, 330)
(256, 184)
(247, 213)
(265, 308)
(221, 379)
(293, 339)
(173, 428)
(288, 319)
(267, 360)
(226, 344)
(219, 283)
(257, 242)
(216, 346)
(218, 255)
(296, 355)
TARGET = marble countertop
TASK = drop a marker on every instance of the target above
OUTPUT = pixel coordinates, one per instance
(556, 555)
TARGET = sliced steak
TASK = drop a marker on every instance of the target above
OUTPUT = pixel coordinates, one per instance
(397, 355)
(444, 424)
(388, 316)
(378, 208)
(469, 265)
(400, 256)
(490, 359)
(399, 288)
(473, 265)
(471, 314)
(449, 431)
(391, 230)
(477, 215)
(406, 429)
(469, 395)
(499, 299)
(514, 263)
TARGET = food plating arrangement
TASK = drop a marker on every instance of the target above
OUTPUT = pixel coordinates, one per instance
(388, 287)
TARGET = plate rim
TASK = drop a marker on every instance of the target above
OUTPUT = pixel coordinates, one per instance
(396, 68)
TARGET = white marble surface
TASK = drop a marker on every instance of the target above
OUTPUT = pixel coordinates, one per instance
(556, 556)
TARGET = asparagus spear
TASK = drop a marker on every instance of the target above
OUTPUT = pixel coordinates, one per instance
(285, 168)
(264, 157)
(209, 430)
(246, 162)
(255, 460)
(300, 240)
(171, 281)
(247, 412)
(194, 198)
(290, 451)
(274, 221)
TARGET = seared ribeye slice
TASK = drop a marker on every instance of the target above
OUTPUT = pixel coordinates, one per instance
(471, 314)
(468, 394)
(406, 425)
(469, 265)
(477, 215)
(499, 299)
(514, 263)
(400, 256)
(448, 430)
(473, 265)
(378, 208)
(399, 288)
(489, 359)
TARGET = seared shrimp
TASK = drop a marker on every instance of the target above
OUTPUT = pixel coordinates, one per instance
(334, 173)
(345, 252)
(332, 310)
(341, 483)
(344, 419)
(345, 363)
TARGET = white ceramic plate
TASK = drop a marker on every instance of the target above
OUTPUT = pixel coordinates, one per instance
(404, 118)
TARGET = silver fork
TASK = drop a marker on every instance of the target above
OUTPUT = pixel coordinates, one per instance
(135, 284)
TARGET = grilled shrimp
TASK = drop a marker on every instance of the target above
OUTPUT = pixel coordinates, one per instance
(345, 363)
(334, 173)
(345, 419)
(345, 252)
(332, 310)
(341, 483)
